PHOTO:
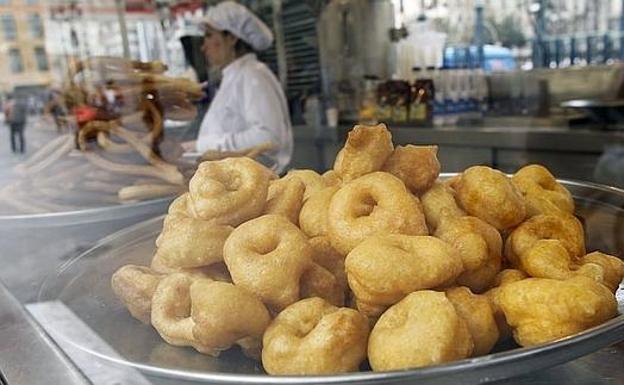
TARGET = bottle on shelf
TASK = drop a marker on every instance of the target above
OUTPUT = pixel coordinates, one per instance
(422, 97)
(439, 100)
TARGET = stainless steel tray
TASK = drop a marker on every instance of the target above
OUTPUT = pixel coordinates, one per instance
(83, 285)
(87, 215)
(31, 246)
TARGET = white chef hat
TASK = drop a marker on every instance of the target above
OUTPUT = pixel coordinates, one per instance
(241, 22)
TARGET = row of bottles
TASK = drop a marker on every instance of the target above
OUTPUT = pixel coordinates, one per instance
(461, 95)
(430, 97)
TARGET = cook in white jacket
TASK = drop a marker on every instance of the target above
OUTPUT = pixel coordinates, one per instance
(250, 107)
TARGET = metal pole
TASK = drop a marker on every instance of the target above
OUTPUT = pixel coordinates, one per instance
(558, 51)
(607, 48)
(479, 34)
(622, 31)
(120, 5)
(280, 48)
(540, 57)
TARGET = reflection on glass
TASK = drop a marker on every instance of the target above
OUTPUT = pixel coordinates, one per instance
(41, 59)
(9, 28)
(35, 25)
(15, 60)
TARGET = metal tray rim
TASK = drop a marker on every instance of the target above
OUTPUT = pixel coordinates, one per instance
(67, 218)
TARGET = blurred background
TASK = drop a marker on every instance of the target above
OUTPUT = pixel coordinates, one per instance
(500, 82)
(98, 99)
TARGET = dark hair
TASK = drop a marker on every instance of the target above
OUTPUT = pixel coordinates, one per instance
(241, 48)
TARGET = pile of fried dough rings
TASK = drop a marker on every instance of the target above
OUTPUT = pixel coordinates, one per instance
(376, 259)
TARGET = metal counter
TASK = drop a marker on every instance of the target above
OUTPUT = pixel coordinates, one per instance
(27, 354)
(569, 153)
(605, 367)
(542, 139)
(33, 365)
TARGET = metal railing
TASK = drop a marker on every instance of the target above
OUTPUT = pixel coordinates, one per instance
(578, 49)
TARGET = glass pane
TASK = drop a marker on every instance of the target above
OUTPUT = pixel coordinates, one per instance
(35, 25)
(41, 58)
(9, 28)
(119, 101)
(15, 60)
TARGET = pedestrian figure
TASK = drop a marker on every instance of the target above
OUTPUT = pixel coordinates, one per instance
(15, 111)
(56, 108)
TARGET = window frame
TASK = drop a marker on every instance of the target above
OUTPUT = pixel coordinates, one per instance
(40, 53)
(20, 61)
(35, 25)
(4, 18)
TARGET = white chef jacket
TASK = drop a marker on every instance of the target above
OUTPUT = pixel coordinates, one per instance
(248, 109)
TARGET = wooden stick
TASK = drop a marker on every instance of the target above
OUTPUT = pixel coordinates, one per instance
(148, 191)
(250, 152)
(102, 187)
(12, 196)
(42, 153)
(170, 172)
(131, 169)
(113, 147)
(64, 148)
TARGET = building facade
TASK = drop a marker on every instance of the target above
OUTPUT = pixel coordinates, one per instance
(562, 17)
(80, 29)
(22, 45)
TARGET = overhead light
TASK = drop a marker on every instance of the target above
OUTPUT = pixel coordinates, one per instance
(535, 7)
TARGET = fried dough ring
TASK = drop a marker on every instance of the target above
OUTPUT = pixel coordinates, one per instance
(548, 258)
(438, 202)
(503, 278)
(229, 191)
(315, 337)
(326, 256)
(312, 181)
(372, 204)
(320, 282)
(542, 192)
(565, 229)
(385, 268)
(580, 302)
(478, 313)
(423, 329)
(216, 271)
(285, 197)
(489, 194)
(171, 312)
(332, 178)
(480, 247)
(268, 256)
(224, 314)
(134, 286)
(179, 206)
(613, 268)
(366, 150)
(314, 213)
(186, 242)
(417, 166)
